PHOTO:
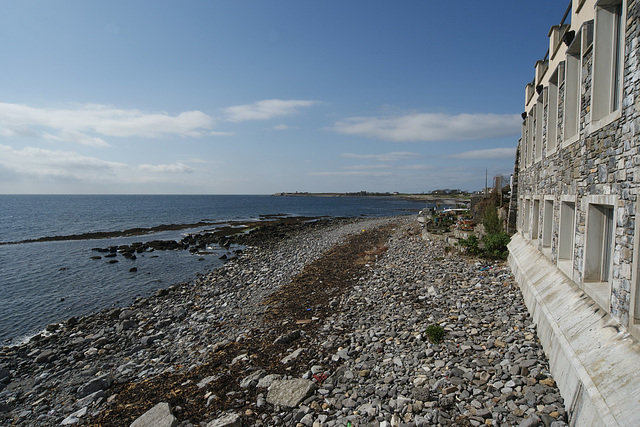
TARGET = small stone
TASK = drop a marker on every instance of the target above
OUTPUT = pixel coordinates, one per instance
(449, 390)
(548, 382)
(532, 421)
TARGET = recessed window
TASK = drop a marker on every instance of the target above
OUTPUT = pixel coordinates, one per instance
(552, 113)
(526, 216)
(536, 220)
(567, 230)
(547, 224)
(539, 116)
(572, 94)
(530, 122)
(599, 244)
(608, 57)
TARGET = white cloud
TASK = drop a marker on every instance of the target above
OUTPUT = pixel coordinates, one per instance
(280, 127)
(45, 163)
(417, 167)
(350, 173)
(265, 110)
(367, 167)
(173, 168)
(75, 124)
(490, 153)
(388, 157)
(432, 127)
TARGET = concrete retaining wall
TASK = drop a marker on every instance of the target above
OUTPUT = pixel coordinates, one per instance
(594, 360)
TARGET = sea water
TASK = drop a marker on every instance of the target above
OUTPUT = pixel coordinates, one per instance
(47, 282)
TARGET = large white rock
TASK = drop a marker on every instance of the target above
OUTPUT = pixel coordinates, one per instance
(229, 420)
(158, 416)
(290, 393)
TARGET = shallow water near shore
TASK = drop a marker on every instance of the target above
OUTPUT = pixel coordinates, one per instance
(46, 282)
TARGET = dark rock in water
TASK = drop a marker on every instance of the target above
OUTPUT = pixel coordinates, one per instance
(96, 257)
(111, 255)
(113, 261)
(133, 269)
(53, 326)
(72, 321)
(223, 257)
(63, 268)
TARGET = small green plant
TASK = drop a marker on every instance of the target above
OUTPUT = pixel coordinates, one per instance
(471, 245)
(435, 333)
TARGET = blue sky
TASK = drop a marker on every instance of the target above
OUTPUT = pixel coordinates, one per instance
(258, 97)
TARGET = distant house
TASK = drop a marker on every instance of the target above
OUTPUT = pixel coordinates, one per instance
(576, 254)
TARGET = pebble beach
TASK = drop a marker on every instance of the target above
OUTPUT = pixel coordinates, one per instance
(318, 324)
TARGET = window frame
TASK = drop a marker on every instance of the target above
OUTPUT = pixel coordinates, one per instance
(552, 112)
(596, 246)
(548, 211)
(567, 235)
(572, 92)
(607, 88)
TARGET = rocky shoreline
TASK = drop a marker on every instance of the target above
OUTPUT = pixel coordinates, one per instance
(313, 324)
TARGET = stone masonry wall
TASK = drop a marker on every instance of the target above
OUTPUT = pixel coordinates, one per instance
(604, 161)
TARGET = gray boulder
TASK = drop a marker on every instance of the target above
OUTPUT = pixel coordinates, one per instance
(101, 383)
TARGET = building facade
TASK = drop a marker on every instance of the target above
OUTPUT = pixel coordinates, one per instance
(578, 182)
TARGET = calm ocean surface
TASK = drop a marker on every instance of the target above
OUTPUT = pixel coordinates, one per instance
(46, 282)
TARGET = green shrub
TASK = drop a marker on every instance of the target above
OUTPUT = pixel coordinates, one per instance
(435, 333)
(495, 245)
(491, 220)
(471, 245)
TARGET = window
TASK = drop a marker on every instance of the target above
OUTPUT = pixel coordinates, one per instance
(608, 57)
(552, 113)
(530, 120)
(539, 117)
(600, 232)
(547, 224)
(536, 220)
(567, 229)
(572, 92)
(526, 216)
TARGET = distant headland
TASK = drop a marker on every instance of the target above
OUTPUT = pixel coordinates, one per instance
(439, 196)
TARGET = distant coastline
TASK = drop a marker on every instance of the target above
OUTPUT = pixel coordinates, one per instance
(448, 199)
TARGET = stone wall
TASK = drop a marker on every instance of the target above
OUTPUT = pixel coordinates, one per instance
(602, 162)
